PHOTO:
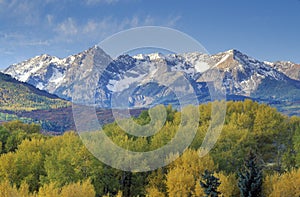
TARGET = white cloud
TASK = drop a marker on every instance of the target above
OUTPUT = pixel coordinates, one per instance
(25, 12)
(49, 18)
(16, 39)
(173, 21)
(93, 30)
(35, 43)
(91, 26)
(93, 2)
(11, 36)
(107, 25)
(7, 52)
(67, 27)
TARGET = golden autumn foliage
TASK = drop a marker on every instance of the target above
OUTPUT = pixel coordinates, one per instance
(33, 165)
(286, 184)
(6, 190)
(48, 190)
(152, 191)
(78, 189)
(229, 186)
(183, 173)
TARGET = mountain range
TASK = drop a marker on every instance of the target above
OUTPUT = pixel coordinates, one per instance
(134, 80)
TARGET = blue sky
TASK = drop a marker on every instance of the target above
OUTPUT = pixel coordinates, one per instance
(264, 29)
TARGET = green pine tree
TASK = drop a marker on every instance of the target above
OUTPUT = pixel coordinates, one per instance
(250, 180)
(210, 184)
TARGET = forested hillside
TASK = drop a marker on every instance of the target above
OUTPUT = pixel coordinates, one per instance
(21, 101)
(32, 164)
(17, 96)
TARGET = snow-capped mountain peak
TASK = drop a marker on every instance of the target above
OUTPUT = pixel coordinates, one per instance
(155, 56)
(242, 75)
(54, 74)
(151, 56)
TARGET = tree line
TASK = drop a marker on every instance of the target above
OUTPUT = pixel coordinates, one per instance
(257, 154)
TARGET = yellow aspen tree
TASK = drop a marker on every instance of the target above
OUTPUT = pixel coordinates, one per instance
(288, 184)
(152, 191)
(184, 173)
(24, 190)
(48, 190)
(228, 185)
(78, 189)
(6, 190)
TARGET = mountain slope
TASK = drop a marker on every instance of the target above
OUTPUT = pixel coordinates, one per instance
(18, 96)
(245, 76)
(290, 69)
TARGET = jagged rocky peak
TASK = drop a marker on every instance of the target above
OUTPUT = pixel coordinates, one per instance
(290, 69)
(232, 55)
(241, 74)
(95, 50)
(57, 75)
(225, 60)
(126, 58)
(234, 60)
(95, 55)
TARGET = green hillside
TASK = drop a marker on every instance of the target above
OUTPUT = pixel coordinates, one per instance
(18, 96)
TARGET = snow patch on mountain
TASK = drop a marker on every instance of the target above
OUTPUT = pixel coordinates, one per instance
(57, 77)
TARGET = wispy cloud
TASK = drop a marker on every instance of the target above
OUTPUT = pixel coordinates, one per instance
(49, 18)
(98, 29)
(76, 34)
(70, 30)
(10, 36)
(93, 2)
(24, 12)
(67, 27)
(35, 43)
(17, 39)
(172, 22)
(6, 52)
